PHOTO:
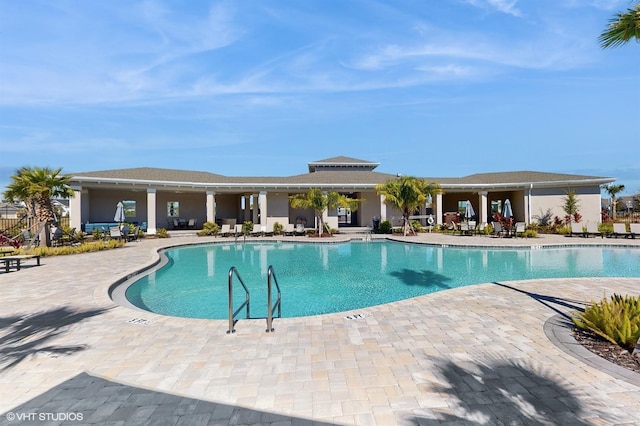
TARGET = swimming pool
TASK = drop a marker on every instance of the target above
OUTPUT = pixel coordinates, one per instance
(325, 278)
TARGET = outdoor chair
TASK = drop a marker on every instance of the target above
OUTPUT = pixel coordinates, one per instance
(620, 229)
(592, 229)
(576, 228)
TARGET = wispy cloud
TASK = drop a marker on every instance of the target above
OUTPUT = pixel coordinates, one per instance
(503, 6)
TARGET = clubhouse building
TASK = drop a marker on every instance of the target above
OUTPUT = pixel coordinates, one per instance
(167, 198)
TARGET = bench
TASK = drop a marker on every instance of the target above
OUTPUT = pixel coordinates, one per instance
(17, 259)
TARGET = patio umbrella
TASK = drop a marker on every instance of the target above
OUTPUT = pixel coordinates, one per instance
(469, 213)
(119, 216)
(506, 210)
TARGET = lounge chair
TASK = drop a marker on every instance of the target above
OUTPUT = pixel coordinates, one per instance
(620, 229)
(56, 236)
(634, 229)
(592, 229)
(520, 229)
(191, 224)
(289, 229)
(576, 228)
(497, 229)
(237, 230)
(133, 236)
(465, 229)
(257, 230)
(114, 232)
(225, 230)
(267, 230)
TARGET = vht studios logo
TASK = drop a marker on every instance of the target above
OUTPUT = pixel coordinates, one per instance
(44, 417)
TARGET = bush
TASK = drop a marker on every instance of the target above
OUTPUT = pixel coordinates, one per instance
(247, 227)
(416, 225)
(209, 228)
(616, 320)
(278, 228)
(162, 233)
(385, 227)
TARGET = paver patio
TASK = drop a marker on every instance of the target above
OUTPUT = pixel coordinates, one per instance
(472, 355)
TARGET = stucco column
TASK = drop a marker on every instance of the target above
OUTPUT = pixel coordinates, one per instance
(211, 206)
(383, 208)
(263, 208)
(75, 208)
(484, 207)
(247, 207)
(256, 206)
(151, 211)
(439, 217)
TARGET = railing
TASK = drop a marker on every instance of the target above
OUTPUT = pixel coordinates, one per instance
(233, 271)
(271, 274)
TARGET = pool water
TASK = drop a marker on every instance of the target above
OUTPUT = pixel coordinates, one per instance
(324, 278)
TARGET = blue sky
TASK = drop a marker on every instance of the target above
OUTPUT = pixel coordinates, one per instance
(433, 88)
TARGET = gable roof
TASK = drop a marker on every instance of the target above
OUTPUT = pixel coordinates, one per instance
(341, 162)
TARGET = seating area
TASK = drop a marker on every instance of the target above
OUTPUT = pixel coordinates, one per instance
(181, 223)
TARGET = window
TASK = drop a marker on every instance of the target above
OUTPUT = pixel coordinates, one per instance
(462, 207)
(129, 208)
(173, 209)
(496, 207)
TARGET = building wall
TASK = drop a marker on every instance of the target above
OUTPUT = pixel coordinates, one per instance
(589, 200)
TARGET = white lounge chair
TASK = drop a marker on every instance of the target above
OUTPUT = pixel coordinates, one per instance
(257, 230)
(576, 228)
(620, 229)
(592, 229)
(634, 229)
(289, 229)
(520, 229)
(225, 230)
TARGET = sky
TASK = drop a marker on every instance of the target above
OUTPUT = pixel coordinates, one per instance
(428, 88)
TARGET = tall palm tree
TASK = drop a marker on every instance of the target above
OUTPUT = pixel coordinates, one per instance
(406, 194)
(320, 201)
(36, 187)
(613, 190)
(622, 28)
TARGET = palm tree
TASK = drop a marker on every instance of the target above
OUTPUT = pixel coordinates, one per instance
(320, 201)
(406, 194)
(622, 28)
(613, 190)
(36, 187)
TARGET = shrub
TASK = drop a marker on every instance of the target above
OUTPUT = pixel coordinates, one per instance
(531, 233)
(162, 233)
(97, 234)
(384, 227)
(247, 227)
(278, 228)
(616, 320)
(209, 228)
(416, 225)
(606, 228)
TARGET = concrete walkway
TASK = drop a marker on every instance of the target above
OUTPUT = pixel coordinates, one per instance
(495, 353)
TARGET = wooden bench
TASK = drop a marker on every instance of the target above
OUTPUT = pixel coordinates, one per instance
(17, 259)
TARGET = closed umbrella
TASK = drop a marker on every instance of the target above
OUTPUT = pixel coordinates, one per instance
(119, 216)
(469, 213)
(506, 210)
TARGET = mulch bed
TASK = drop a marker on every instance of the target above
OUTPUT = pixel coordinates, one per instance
(607, 350)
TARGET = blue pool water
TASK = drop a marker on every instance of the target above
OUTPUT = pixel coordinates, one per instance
(323, 278)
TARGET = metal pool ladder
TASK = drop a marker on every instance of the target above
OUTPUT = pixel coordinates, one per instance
(233, 271)
(271, 276)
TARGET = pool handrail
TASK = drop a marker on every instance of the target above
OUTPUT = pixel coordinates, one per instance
(271, 273)
(233, 271)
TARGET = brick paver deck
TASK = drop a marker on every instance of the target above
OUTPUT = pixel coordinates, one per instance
(484, 354)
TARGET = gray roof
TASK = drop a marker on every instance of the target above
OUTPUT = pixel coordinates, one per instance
(326, 178)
